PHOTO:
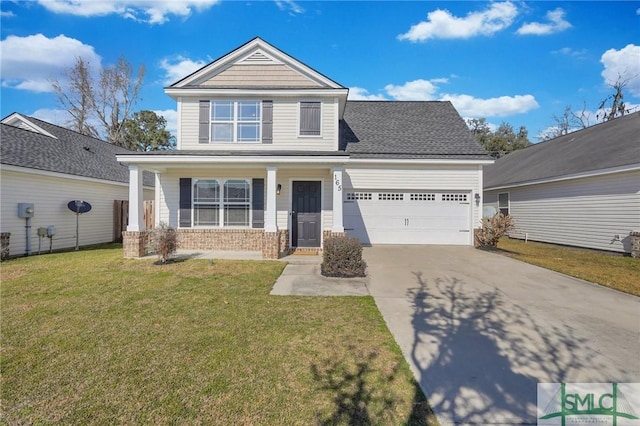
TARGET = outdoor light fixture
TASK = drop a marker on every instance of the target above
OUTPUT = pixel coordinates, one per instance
(278, 189)
(477, 197)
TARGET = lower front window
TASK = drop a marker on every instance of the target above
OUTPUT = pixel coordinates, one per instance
(226, 199)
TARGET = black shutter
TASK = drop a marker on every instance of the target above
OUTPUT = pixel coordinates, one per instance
(267, 121)
(257, 203)
(203, 130)
(185, 203)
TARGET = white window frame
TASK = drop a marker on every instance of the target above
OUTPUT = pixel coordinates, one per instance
(300, 117)
(222, 203)
(235, 121)
(508, 203)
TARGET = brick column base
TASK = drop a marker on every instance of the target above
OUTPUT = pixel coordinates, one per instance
(136, 243)
(271, 245)
(635, 244)
(327, 234)
(4, 245)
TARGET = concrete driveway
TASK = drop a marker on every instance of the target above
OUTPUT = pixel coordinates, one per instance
(480, 330)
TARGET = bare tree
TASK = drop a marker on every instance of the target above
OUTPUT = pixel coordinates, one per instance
(617, 106)
(78, 98)
(107, 99)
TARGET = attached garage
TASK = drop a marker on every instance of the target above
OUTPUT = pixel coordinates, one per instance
(408, 217)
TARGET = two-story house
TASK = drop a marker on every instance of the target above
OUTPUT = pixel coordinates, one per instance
(271, 156)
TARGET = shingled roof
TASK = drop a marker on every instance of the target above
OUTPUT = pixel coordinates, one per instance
(71, 153)
(610, 144)
(404, 129)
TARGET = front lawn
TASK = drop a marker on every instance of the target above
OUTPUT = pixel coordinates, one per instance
(611, 270)
(91, 338)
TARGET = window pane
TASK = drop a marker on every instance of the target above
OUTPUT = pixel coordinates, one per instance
(248, 111)
(206, 191)
(235, 215)
(206, 215)
(222, 110)
(222, 132)
(236, 191)
(503, 200)
(248, 132)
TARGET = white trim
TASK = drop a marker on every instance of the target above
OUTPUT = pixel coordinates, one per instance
(212, 92)
(28, 170)
(337, 214)
(396, 161)
(270, 205)
(179, 124)
(336, 128)
(251, 47)
(19, 117)
(591, 173)
(156, 196)
(136, 219)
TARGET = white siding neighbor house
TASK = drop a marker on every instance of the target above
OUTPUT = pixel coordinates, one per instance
(45, 167)
(272, 157)
(580, 189)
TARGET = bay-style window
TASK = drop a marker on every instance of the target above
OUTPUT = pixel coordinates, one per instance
(235, 121)
(221, 203)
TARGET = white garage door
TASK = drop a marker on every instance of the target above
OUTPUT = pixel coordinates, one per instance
(408, 217)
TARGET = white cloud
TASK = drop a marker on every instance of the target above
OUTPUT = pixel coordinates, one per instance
(289, 5)
(178, 68)
(53, 116)
(171, 115)
(360, 94)
(623, 64)
(493, 107)
(29, 63)
(556, 24)
(416, 90)
(153, 12)
(442, 24)
(568, 51)
(7, 14)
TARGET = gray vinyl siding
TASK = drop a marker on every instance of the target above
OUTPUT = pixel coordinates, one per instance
(432, 177)
(50, 194)
(585, 212)
(285, 128)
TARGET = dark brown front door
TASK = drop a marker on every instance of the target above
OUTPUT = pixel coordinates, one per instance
(305, 214)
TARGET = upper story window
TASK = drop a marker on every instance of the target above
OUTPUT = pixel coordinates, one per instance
(310, 118)
(235, 121)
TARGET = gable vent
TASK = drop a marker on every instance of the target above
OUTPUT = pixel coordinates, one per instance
(257, 58)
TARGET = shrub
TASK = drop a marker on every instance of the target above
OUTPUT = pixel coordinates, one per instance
(493, 228)
(342, 257)
(164, 240)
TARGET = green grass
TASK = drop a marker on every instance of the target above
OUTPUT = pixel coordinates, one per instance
(610, 270)
(91, 338)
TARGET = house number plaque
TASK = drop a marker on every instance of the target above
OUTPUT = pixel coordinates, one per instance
(338, 184)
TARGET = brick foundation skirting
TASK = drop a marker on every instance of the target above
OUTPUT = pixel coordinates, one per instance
(635, 244)
(136, 243)
(271, 244)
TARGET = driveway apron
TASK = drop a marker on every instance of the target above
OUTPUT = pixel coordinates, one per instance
(481, 330)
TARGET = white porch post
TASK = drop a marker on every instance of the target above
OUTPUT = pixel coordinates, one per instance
(270, 222)
(136, 220)
(337, 200)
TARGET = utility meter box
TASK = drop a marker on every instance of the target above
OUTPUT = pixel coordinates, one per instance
(25, 210)
(51, 231)
(42, 231)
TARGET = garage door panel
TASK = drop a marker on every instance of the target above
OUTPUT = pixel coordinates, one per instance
(408, 217)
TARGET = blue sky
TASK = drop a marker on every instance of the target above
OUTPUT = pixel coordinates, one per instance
(511, 61)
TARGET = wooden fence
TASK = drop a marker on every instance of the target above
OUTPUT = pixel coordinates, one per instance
(121, 217)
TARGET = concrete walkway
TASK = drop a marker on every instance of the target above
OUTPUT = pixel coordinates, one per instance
(481, 330)
(301, 277)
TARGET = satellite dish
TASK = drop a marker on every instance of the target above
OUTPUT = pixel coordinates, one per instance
(78, 206)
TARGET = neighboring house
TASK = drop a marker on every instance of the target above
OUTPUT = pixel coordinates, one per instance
(272, 157)
(580, 189)
(49, 166)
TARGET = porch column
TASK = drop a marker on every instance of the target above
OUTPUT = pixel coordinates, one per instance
(136, 219)
(270, 223)
(337, 200)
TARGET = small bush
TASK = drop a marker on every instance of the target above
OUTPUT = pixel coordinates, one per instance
(164, 240)
(342, 257)
(493, 228)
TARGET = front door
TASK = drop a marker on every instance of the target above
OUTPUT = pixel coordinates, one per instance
(305, 214)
